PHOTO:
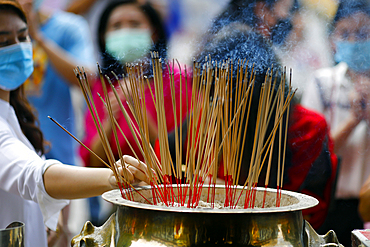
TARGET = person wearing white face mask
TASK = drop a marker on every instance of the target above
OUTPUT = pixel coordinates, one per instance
(128, 30)
(129, 44)
(342, 94)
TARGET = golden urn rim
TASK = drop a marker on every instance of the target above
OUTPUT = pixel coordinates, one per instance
(304, 202)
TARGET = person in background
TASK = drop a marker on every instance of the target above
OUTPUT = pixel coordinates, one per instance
(33, 189)
(61, 41)
(271, 18)
(90, 10)
(128, 31)
(307, 48)
(311, 164)
(341, 93)
(80, 6)
(171, 12)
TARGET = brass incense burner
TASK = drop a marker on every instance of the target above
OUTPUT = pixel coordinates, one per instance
(137, 223)
(12, 235)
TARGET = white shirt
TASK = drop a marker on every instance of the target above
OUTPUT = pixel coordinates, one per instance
(328, 93)
(22, 192)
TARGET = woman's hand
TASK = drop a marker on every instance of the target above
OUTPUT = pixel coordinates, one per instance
(70, 182)
(132, 169)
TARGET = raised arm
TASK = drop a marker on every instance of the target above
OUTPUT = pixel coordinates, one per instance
(80, 6)
(78, 52)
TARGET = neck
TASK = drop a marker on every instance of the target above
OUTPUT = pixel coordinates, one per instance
(4, 95)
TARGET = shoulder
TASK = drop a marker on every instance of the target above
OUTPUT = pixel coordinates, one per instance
(4, 126)
(300, 111)
(6, 135)
(5, 113)
(304, 121)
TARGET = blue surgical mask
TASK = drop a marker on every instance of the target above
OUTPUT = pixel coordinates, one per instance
(355, 54)
(129, 44)
(16, 65)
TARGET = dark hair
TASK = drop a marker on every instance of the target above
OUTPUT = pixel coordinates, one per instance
(26, 118)
(236, 43)
(17, 9)
(242, 11)
(23, 110)
(112, 64)
(347, 8)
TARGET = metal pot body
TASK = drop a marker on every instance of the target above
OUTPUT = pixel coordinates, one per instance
(138, 224)
(12, 235)
(200, 229)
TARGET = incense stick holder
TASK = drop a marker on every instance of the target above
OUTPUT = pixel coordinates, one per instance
(137, 223)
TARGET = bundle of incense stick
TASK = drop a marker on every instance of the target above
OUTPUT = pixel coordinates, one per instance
(220, 104)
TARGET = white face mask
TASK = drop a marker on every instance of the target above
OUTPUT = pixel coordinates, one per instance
(129, 44)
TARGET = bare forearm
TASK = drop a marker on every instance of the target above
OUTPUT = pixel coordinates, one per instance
(62, 61)
(80, 7)
(342, 132)
(70, 182)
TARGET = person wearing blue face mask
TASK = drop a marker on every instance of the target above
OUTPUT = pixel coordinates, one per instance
(342, 94)
(34, 189)
(61, 41)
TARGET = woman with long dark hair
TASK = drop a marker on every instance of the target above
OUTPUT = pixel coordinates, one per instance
(128, 32)
(33, 189)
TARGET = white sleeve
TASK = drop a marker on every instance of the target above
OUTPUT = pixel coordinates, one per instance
(50, 207)
(21, 173)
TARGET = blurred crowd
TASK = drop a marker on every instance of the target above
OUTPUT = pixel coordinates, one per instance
(325, 42)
